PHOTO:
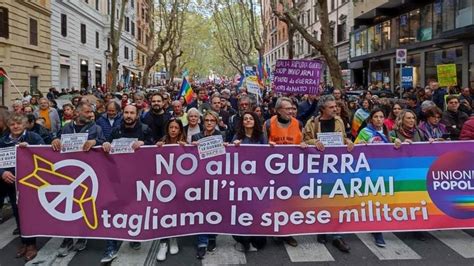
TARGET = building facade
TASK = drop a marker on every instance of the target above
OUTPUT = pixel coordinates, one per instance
(25, 47)
(78, 44)
(277, 36)
(340, 21)
(143, 13)
(433, 32)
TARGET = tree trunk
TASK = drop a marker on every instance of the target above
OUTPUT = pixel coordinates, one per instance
(115, 34)
(291, 41)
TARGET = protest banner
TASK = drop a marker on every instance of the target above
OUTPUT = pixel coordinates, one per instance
(447, 75)
(252, 190)
(298, 76)
(73, 142)
(211, 146)
(7, 157)
(122, 145)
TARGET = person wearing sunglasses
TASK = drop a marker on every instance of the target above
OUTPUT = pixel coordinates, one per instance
(207, 242)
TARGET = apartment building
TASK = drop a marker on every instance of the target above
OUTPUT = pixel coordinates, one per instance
(25, 48)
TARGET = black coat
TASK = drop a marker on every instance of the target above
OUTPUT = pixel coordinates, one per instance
(140, 131)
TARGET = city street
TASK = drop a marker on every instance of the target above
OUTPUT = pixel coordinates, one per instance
(440, 248)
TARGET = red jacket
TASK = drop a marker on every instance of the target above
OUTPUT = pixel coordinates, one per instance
(467, 132)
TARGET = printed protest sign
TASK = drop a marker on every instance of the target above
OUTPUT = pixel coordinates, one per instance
(331, 138)
(211, 146)
(122, 145)
(73, 142)
(7, 157)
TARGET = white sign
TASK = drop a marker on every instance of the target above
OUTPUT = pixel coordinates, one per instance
(401, 56)
(8, 157)
(331, 138)
(73, 142)
(211, 147)
(122, 145)
(252, 87)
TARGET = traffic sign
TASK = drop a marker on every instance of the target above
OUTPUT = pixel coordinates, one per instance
(401, 56)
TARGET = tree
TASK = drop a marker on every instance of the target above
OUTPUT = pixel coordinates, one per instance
(234, 29)
(115, 34)
(286, 12)
(166, 18)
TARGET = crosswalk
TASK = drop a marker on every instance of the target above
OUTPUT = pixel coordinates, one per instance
(308, 250)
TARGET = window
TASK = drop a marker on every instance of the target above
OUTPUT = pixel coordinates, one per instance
(131, 55)
(437, 18)
(108, 44)
(4, 29)
(377, 40)
(83, 33)
(414, 26)
(448, 14)
(64, 25)
(108, 7)
(386, 35)
(333, 5)
(132, 3)
(139, 31)
(143, 13)
(464, 11)
(426, 26)
(125, 52)
(127, 24)
(87, 1)
(404, 30)
(133, 29)
(33, 31)
(97, 40)
(341, 32)
(96, 4)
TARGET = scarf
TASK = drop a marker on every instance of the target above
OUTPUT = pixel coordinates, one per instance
(408, 133)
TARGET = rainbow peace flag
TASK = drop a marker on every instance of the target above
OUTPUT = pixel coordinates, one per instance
(186, 91)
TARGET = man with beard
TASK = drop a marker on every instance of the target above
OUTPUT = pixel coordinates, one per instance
(130, 127)
(156, 118)
(234, 121)
(83, 123)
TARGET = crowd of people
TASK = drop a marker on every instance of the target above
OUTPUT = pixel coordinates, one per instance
(162, 117)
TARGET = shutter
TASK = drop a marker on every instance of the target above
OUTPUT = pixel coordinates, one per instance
(33, 31)
(4, 27)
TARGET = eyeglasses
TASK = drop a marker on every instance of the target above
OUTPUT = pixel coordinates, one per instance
(210, 120)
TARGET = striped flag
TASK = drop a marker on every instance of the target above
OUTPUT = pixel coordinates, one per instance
(186, 91)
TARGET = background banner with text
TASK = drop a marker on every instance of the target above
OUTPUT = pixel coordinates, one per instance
(251, 190)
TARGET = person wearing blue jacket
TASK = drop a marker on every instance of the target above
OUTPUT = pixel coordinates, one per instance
(111, 119)
(82, 123)
(18, 136)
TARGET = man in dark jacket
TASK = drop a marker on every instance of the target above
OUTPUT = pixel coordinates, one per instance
(156, 118)
(18, 135)
(32, 126)
(112, 118)
(83, 123)
(453, 118)
(131, 127)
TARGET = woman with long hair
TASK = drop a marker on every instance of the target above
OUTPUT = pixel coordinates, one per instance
(250, 130)
(174, 135)
(392, 116)
(376, 132)
(405, 128)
